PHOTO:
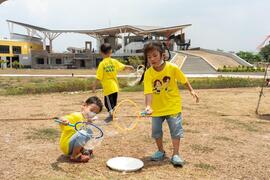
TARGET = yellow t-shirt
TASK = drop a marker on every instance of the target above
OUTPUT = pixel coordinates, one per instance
(107, 74)
(166, 99)
(67, 131)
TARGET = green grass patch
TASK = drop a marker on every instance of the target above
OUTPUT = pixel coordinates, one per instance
(49, 86)
(49, 134)
(201, 148)
(205, 166)
(38, 85)
(241, 69)
(224, 82)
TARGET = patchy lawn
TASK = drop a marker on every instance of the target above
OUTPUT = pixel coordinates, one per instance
(223, 138)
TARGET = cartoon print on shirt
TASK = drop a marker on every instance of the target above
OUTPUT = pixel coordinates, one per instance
(166, 81)
(157, 86)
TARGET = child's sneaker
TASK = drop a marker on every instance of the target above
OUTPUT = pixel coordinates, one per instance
(158, 156)
(108, 119)
(177, 160)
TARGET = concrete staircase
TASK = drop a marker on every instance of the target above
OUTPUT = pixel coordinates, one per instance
(196, 65)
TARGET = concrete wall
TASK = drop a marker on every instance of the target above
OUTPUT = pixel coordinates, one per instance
(230, 55)
(67, 60)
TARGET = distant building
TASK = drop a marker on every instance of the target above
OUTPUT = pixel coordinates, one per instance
(126, 40)
(82, 58)
(19, 49)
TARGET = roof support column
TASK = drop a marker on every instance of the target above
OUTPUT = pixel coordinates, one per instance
(123, 39)
(100, 40)
(51, 37)
(10, 27)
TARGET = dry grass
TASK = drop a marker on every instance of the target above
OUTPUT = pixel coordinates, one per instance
(224, 139)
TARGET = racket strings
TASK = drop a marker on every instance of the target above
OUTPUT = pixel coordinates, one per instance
(126, 115)
(92, 134)
(134, 78)
(89, 130)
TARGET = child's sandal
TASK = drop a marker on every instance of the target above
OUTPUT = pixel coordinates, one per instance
(80, 158)
(88, 152)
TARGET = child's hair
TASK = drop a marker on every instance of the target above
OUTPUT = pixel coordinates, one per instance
(166, 78)
(150, 46)
(95, 100)
(105, 48)
(156, 81)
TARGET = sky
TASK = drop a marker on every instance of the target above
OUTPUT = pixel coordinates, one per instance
(230, 25)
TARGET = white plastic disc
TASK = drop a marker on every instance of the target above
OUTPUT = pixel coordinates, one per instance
(127, 164)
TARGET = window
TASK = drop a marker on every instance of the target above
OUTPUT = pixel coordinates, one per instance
(58, 61)
(40, 60)
(17, 49)
(4, 49)
(82, 63)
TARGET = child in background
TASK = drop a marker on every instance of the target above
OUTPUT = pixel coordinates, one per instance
(69, 140)
(163, 100)
(107, 75)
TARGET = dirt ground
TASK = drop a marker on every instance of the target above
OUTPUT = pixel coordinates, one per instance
(224, 139)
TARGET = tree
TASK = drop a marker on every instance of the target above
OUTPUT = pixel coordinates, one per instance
(265, 52)
(16, 65)
(249, 57)
(135, 61)
(2, 62)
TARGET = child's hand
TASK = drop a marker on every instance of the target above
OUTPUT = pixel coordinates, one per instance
(64, 121)
(130, 68)
(194, 94)
(92, 119)
(148, 110)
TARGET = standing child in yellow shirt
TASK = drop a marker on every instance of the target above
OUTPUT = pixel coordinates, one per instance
(162, 98)
(107, 75)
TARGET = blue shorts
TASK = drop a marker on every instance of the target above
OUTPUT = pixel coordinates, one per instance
(175, 126)
(77, 140)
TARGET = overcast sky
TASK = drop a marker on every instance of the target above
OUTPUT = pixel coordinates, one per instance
(231, 25)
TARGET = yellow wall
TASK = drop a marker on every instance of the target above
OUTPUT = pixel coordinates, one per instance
(25, 46)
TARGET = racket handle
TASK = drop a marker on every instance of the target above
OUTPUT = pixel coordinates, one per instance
(61, 122)
(58, 121)
(144, 113)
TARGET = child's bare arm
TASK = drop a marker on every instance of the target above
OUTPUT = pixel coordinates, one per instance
(128, 67)
(192, 92)
(148, 102)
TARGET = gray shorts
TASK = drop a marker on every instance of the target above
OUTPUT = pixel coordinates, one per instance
(77, 140)
(175, 126)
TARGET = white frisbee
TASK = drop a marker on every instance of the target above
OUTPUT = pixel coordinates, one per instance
(127, 164)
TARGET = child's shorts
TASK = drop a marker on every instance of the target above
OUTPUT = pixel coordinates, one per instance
(175, 126)
(77, 140)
